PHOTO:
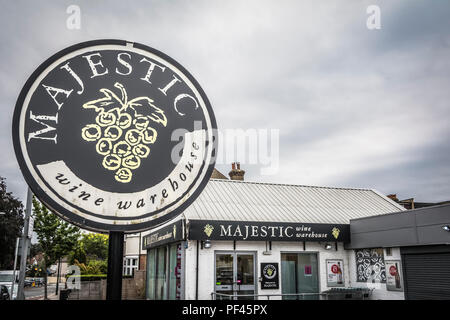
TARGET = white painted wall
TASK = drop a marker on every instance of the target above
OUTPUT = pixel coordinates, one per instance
(132, 245)
(206, 263)
(380, 292)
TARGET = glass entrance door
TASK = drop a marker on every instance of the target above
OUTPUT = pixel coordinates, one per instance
(245, 275)
(299, 274)
(235, 274)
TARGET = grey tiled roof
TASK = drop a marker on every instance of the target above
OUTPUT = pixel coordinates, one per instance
(251, 201)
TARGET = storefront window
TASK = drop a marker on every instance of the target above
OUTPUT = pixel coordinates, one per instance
(299, 274)
(161, 273)
(173, 272)
(164, 273)
(224, 269)
(151, 274)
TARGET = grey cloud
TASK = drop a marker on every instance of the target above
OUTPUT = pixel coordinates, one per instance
(354, 107)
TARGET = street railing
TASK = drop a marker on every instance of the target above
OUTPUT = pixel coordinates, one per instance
(357, 294)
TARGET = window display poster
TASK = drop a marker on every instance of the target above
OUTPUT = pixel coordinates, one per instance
(393, 275)
(335, 273)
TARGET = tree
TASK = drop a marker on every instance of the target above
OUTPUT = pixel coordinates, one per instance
(11, 224)
(91, 246)
(56, 237)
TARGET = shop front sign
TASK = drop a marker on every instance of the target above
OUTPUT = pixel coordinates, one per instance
(173, 232)
(267, 231)
(270, 276)
(114, 136)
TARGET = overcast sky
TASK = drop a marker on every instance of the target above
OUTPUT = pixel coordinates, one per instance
(355, 107)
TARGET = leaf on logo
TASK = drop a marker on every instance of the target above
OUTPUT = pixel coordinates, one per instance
(145, 106)
(108, 102)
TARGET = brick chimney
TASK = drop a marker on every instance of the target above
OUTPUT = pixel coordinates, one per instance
(236, 173)
(393, 197)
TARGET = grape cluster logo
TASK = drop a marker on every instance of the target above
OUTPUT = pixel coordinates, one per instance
(335, 232)
(270, 271)
(122, 130)
(208, 229)
(114, 136)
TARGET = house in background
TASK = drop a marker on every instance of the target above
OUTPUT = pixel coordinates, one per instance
(411, 204)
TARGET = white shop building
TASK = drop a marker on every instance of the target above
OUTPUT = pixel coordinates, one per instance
(248, 240)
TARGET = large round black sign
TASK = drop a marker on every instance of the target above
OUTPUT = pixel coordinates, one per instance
(114, 136)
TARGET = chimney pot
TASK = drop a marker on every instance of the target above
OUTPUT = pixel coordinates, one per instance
(236, 173)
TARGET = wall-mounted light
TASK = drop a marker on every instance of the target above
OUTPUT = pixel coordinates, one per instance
(328, 246)
(446, 228)
(207, 244)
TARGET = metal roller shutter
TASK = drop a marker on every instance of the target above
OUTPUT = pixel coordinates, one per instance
(427, 275)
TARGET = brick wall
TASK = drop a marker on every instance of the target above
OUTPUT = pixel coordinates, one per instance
(143, 262)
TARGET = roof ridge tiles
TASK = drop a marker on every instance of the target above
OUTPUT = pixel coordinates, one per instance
(290, 185)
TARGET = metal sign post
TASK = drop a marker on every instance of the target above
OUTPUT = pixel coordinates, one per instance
(115, 266)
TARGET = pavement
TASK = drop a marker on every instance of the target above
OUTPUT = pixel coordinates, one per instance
(49, 297)
(37, 293)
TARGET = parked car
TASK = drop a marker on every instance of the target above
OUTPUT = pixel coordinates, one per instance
(6, 279)
(28, 283)
(4, 293)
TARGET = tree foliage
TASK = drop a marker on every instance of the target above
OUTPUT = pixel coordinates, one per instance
(90, 247)
(11, 224)
(93, 267)
(56, 237)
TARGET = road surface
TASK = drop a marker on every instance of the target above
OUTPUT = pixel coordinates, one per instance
(34, 292)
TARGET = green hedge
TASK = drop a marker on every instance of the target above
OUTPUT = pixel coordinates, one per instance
(94, 277)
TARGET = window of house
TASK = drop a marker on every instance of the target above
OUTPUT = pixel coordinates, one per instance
(130, 264)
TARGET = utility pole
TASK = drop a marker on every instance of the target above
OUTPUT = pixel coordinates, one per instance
(14, 270)
(25, 242)
(58, 275)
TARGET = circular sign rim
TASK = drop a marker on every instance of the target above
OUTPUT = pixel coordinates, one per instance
(74, 218)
